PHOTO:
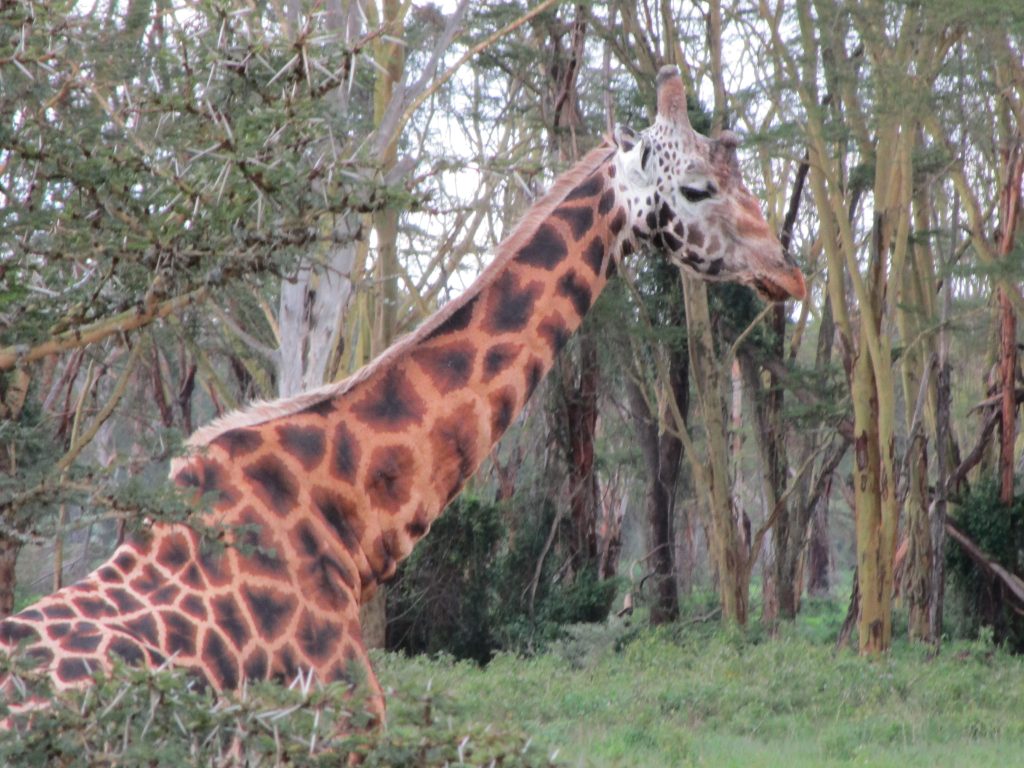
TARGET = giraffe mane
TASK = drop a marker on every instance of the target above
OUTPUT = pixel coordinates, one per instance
(262, 411)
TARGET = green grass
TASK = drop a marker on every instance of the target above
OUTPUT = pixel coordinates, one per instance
(615, 696)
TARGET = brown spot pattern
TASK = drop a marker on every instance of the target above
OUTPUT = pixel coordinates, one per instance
(304, 443)
(239, 442)
(503, 409)
(510, 304)
(270, 611)
(498, 358)
(449, 367)
(453, 443)
(579, 218)
(345, 454)
(555, 332)
(274, 483)
(577, 290)
(389, 477)
(340, 514)
(173, 552)
(546, 249)
(390, 404)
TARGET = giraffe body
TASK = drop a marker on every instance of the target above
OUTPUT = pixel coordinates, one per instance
(323, 494)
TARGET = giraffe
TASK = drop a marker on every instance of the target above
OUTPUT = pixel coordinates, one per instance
(319, 496)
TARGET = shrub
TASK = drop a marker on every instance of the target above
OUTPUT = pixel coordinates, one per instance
(998, 530)
(468, 588)
(139, 717)
(440, 599)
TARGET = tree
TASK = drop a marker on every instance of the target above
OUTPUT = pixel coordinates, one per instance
(231, 155)
(653, 402)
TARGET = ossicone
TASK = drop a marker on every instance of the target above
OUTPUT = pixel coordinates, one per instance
(672, 96)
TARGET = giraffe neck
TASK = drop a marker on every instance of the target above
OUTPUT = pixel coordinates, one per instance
(474, 372)
(371, 466)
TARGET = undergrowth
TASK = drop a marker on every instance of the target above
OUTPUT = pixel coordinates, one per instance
(612, 694)
(695, 694)
(134, 717)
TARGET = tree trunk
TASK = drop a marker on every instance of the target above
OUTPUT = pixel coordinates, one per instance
(937, 511)
(876, 512)
(13, 393)
(685, 556)
(727, 545)
(662, 454)
(769, 585)
(1009, 211)
(818, 551)
(9, 549)
(613, 509)
(579, 422)
(917, 317)
(578, 379)
(916, 580)
(390, 57)
(1008, 402)
(312, 311)
(770, 435)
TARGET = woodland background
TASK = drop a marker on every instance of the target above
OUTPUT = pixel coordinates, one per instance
(203, 204)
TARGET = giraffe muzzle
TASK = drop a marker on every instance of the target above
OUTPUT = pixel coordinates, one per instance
(784, 283)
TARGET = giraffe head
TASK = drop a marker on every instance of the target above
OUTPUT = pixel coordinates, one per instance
(686, 196)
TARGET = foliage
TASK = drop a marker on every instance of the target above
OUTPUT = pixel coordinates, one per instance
(530, 607)
(200, 159)
(142, 161)
(998, 529)
(466, 589)
(133, 717)
(440, 601)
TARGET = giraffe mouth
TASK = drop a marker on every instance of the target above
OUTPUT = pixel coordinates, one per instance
(781, 285)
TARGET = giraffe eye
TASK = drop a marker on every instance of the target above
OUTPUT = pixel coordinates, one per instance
(695, 195)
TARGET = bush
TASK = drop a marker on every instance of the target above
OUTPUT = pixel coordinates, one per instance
(137, 717)
(976, 597)
(440, 599)
(468, 588)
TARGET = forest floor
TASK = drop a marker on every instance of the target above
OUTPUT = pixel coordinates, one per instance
(619, 695)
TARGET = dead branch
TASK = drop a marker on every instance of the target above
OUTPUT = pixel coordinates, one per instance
(1010, 580)
(972, 459)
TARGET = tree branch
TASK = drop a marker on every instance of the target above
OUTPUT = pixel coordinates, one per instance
(90, 334)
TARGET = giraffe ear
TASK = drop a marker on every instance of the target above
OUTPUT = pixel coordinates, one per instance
(624, 137)
(726, 145)
(637, 163)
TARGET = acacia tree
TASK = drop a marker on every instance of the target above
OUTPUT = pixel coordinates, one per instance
(871, 164)
(889, 146)
(228, 169)
(131, 196)
(653, 399)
